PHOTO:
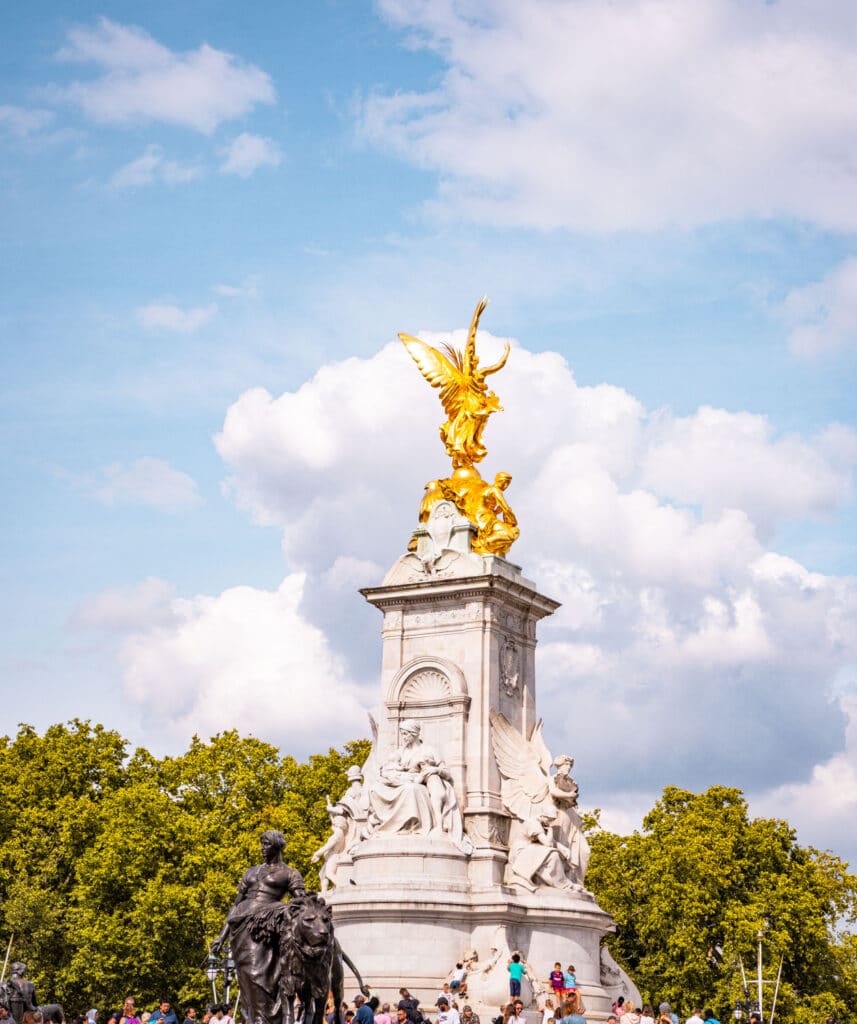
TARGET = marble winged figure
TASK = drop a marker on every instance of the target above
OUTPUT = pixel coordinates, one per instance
(546, 844)
(464, 393)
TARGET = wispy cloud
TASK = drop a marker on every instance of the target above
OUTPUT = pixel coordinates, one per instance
(147, 481)
(121, 609)
(636, 115)
(247, 153)
(24, 122)
(248, 289)
(823, 315)
(166, 317)
(142, 80)
(151, 167)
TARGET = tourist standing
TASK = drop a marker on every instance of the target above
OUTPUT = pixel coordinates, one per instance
(516, 972)
(364, 1013)
(447, 1014)
(164, 1014)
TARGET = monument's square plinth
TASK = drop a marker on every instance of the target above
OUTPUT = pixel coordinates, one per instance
(412, 897)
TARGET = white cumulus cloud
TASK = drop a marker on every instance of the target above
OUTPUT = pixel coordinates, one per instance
(247, 153)
(140, 79)
(604, 116)
(168, 317)
(245, 659)
(681, 628)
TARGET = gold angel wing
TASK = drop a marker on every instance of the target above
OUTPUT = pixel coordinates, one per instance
(439, 372)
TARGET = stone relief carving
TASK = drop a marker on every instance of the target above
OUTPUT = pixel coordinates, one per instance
(349, 821)
(413, 793)
(493, 830)
(439, 527)
(426, 686)
(510, 666)
(547, 847)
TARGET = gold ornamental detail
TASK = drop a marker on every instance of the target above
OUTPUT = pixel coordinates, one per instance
(468, 402)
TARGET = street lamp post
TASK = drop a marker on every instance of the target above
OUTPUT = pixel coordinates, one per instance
(216, 967)
(212, 970)
(228, 974)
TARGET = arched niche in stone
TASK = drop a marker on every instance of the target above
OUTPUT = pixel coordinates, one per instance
(433, 692)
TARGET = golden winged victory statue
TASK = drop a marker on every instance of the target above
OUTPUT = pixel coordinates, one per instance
(468, 402)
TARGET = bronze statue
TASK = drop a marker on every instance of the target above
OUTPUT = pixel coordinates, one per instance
(21, 992)
(258, 964)
(282, 950)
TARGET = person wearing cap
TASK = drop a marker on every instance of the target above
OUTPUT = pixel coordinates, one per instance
(468, 1016)
(445, 1014)
(665, 1008)
(364, 1013)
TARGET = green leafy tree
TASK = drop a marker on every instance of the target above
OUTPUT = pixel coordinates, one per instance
(116, 872)
(691, 892)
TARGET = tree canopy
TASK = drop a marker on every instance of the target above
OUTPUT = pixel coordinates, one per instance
(691, 892)
(117, 869)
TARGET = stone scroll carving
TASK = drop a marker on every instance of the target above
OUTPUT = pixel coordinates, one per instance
(547, 847)
(413, 793)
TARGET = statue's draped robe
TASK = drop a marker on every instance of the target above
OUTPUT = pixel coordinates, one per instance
(258, 963)
(401, 801)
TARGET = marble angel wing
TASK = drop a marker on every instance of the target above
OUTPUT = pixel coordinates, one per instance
(540, 747)
(372, 764)
(526, 791)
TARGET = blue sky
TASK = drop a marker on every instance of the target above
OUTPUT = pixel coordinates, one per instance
(206, 211)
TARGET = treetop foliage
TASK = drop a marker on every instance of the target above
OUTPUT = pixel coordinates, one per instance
(117, 869)
(691, 892)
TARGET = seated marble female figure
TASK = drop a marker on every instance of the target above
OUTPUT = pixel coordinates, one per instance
(414, 793)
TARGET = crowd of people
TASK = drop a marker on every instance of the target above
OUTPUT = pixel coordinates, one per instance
(564, 1006)
(220, 1013)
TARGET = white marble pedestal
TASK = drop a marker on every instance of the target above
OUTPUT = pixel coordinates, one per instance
(458, 645)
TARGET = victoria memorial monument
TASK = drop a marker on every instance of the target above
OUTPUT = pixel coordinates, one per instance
(460, 840)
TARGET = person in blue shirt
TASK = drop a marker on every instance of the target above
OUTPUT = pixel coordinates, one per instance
(163, 1014)
(516, 972)
(364, 1013)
